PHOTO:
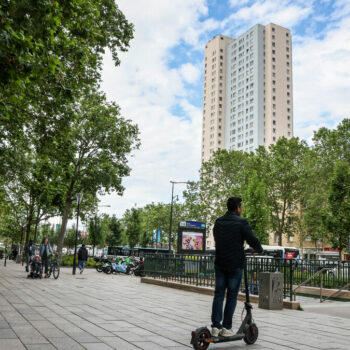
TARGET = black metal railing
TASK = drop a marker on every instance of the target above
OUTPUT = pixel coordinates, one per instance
(199, 270)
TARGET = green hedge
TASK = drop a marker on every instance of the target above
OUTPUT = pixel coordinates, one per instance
(67, 260)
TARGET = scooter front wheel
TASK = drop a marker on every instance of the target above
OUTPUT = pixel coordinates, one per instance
(199, 339)
(251, 334)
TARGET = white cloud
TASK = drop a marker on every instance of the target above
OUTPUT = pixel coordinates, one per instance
(234, 3)
(322, 79)
(190, 73)
(147, 91)
(284, 13)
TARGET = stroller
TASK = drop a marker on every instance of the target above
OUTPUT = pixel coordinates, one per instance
(36, 270)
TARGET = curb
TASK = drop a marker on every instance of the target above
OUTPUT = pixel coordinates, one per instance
(293, 305)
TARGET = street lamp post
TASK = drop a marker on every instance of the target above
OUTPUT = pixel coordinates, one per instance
(171, 208)
(79, 197)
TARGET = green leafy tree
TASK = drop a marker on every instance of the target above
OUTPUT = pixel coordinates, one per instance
(330, 147)
(146, 239)
(282, 167)
(157, 217)
(93, 159)
(51, 59)
(221, 177)
(48, 230)
(55, 44)
(337, 219)
(115, 236)
(315, 186)
(133, 226)
(69, 238)
(193, 208)
(255, 207)
(95, 232)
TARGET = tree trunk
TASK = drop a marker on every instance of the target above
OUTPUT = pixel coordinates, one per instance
(36, 224)
(29, 222)
(65, 217)
(280, 238)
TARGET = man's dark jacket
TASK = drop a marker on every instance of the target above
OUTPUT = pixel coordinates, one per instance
(83, 254)
(230, 232)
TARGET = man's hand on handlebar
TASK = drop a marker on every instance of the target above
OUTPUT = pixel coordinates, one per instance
(250, 250)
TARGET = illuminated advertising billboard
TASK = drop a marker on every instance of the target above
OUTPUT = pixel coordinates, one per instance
(192, 240)
(191, 237)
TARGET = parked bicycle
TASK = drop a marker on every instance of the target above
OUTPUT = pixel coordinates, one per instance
(54, 268)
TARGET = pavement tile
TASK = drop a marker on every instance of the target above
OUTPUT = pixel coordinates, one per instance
(118, 343)
(4, 324)
(65, 344)
(147, 345)
(117, 312)
(11, 344)
(40, 347)
(97, 346)
(129, 336)
(7, 333)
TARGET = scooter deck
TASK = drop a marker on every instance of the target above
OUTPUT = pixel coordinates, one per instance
(219, 339)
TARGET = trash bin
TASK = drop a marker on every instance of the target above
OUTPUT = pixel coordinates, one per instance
(271, 291)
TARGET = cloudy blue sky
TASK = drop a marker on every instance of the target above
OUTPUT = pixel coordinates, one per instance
(159, 83)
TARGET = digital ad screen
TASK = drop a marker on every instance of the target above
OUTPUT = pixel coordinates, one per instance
(192, 240)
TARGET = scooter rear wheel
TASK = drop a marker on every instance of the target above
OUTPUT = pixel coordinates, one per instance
(199, 338)
(251, 334)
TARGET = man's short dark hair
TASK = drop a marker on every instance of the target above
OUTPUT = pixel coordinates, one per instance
(233, 203)
(83, 245)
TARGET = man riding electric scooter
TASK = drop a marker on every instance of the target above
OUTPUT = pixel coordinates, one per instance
(230, 232)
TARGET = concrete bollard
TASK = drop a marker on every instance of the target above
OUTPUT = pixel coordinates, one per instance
(271, 291)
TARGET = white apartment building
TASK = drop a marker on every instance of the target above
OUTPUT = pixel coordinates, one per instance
(248, 90)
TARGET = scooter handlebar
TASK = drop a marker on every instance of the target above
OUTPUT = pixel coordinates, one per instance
(252, 251)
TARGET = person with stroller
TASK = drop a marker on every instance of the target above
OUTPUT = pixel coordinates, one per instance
(45, 252)
(82, 258)
(35, 264)
(29, 251)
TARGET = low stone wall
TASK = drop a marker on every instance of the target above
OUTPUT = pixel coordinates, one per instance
(326, 292)
(210, 291)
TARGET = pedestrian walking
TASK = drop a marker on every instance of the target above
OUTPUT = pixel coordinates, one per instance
(82, 258)
(45, 251)
(29, 251)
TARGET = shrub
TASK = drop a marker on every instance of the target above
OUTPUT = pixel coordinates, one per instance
(67, 260)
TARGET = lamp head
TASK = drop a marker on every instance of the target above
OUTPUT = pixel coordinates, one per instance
(79, 197)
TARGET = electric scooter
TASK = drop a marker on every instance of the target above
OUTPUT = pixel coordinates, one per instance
(248, 331)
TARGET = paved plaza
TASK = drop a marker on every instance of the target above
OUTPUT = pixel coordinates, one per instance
(95, 311)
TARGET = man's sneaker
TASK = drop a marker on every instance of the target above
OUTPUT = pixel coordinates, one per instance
(226, 332)
(215, 332)
(81, 271)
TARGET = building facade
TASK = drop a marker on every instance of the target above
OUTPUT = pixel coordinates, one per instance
(214, 96)
(248, 90)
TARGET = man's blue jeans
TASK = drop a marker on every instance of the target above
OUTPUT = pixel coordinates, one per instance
(81, 264)
(231, 281)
